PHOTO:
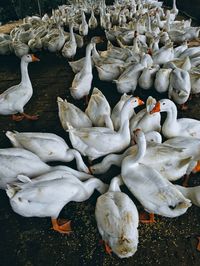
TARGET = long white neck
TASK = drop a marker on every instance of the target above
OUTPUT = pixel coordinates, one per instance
(155, 46)
(124, 121)
(88, 62)
(124, 131)
(171, 119)
(124, 115)
(79, 175)
(167, 26)
(95, 54)
(158, 19)
(83, 18)
(108, 161)
(140, 152)
(24, 74)
(94, 183)
(135, 46)
(115, 184)
(174, 5)
(149, 23)
(72, 37)
(132, 160)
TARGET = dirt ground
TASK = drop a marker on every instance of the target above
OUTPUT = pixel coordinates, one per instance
(30, 241)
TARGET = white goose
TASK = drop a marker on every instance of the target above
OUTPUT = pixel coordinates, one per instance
(56, 42)
(17, 161)
(117, 220)
(5, 47)
(146, 79)
(35, 44)
(195, 80)
(20, 49)
(69, 48)
(115, 116)
(98, 141)
(83, 28)
(173, 127)
(12, 100)
(92, 23)
(164, 54)
(69, 113)
(78, 64)
(127, 81)
(82, 81)
(162, 79)
(179, 86)
(180, 49)
(183, 63)
(98, 110)
(116, 159)
(144, 120)
(155, 193)
(46, 195)
(49, 147)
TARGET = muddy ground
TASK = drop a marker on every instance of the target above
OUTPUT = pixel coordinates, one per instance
(30, 241)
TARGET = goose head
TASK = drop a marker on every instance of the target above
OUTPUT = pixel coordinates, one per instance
(30, 58)
(153, 136)
(161, 106)
(131, 103)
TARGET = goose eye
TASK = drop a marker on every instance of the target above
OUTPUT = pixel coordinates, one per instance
(163, 103)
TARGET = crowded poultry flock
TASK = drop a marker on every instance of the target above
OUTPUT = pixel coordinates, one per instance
(146, 46)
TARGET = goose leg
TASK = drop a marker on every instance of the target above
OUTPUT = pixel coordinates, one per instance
(17, 118)
(107, 247)
(30, 117)
(64, 227)
(144, 220)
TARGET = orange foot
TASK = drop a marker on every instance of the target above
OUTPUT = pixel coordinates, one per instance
(198, 245)
(107, 248)
(62, 226)
(30, 117)
(144, 220)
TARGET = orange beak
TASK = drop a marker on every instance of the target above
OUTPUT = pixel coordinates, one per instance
(140, 102)
(197, 168)
(34, 58)
(156, 108)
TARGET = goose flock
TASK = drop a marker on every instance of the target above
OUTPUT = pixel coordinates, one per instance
(147, 48)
